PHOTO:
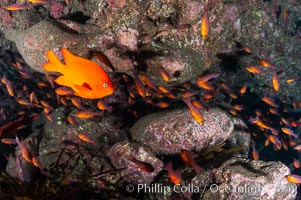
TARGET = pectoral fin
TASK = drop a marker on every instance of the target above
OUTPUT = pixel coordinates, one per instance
(83, 87)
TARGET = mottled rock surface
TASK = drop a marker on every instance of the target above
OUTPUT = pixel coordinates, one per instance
(60, 150)
(240, 137)
(121, 155)
(171, 131)
(241, 178)
(33, 42)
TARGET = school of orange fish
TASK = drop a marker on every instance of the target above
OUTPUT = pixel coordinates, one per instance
(272, 121)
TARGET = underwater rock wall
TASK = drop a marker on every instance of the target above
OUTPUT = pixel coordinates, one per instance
(159, 62)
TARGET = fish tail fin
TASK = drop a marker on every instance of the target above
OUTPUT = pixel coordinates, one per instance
(54, 64)
(186, 100)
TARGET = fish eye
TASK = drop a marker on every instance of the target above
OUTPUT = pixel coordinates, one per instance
(105, 85)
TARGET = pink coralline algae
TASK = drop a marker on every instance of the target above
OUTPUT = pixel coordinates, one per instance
(128, 38)
(5, 19)
(130, 158)
(169, 132)
(57, 10)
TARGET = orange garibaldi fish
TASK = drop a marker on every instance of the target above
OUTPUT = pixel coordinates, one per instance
(86, 78)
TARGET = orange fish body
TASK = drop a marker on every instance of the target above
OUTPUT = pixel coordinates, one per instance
(85, 114)
(86, 138)
(269, 101)
(275, 82)
(255, 153)
(38, 1)
(293, 178)
(189, 158)
(206, 86)
(86, 78)
(25, 153)
(265, 63)
(144, 166)
(205, 25)
(194, 112)
(164, 74)
(18, 6)
(243, 90)
(289, 132)
(254, 70)
(174, 175)
(103, 106)
(296, 163)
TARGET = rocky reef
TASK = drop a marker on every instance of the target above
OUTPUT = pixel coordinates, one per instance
(187, 116)
(169, 132)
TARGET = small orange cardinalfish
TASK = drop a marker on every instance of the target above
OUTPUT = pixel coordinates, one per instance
(189, 158)
(275, 82)
(9, 87)
(38, 1)
(290, 80)
(86, 78)
(194, 112)
(255, 153)
(274, 140)
(205, 26)
(18, 6)
(72, 120)
(85, 114)
(162, 104)
(260, 123)
(103, 106)
(238, 107)
(64, 91)
(33, 97)
(198, 104)
(149, 82)
(296, 163)
(139, 85)
(208, 77)
(8, 141)
(225, 86)
(206, 86)
(243, 90)
(25, 153)
(174, 175)
(269, 101)
(36, 161)
(142, 165)
(164, 74)
(13, 126)
(273, 111)
(254, 70)
(76, 102)
(247, 50)
(86, 138)
(265, 63)
(298, 147)
(189, 94)
(164, 90)
(289, 132)
(293, 178)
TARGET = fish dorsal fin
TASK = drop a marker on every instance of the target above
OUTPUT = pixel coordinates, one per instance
(84, 86)
(53, 64)
(68, 56)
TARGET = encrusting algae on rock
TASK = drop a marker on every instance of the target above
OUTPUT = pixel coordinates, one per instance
(169, 132)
